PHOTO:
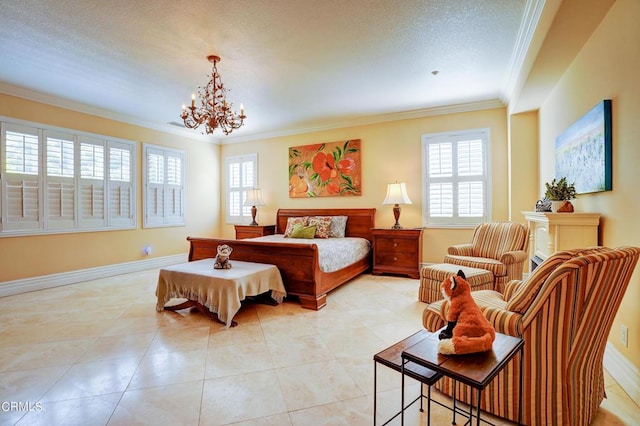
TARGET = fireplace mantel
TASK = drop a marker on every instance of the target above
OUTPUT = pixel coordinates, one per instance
(552, 232)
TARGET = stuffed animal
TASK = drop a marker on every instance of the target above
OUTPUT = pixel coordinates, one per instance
(467, 331)
(222, 259)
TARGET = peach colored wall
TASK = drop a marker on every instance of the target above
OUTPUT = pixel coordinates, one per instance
(607, 67)
(523, 163)
(24, 257)
(390, 151)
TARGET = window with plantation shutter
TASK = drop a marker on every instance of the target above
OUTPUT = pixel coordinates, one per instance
(164, 186)
(21, 183)
(242, 175)
(456, 179)
(55, 180)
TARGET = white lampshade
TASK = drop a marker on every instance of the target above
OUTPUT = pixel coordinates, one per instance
(254, 198)
(397, 194)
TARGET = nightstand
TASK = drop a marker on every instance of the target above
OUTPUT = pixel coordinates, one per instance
(253, 231)
(397, 251)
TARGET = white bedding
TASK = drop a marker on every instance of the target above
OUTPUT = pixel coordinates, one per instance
(333, 253)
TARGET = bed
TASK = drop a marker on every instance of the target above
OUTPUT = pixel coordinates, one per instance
(298, 263)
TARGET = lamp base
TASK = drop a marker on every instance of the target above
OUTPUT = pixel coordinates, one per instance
(396, 215)
(254, 210)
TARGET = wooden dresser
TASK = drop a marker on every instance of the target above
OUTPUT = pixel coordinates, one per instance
(253, 231)
(552, 232)
(397, 251)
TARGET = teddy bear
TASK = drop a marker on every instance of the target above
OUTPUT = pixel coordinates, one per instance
(222, 259)
(467, 331)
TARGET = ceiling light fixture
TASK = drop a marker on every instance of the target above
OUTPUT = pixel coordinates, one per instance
(215, 111)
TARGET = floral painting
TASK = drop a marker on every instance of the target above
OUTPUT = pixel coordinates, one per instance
(325, 169)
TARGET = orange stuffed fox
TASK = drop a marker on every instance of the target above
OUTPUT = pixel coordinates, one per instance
(467, 330)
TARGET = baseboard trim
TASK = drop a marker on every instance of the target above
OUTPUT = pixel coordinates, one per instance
(625, 373)
(9, 288)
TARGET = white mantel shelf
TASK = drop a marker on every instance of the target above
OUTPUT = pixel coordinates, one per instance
(552, 232)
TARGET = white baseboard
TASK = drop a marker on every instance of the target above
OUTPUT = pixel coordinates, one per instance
(625, 373)
(9, 288)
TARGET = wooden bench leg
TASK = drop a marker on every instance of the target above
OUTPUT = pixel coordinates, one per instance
(200, 307)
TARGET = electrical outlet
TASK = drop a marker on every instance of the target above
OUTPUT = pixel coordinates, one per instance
(624, 335)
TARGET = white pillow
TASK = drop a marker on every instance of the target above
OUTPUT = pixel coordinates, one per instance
(338, 226)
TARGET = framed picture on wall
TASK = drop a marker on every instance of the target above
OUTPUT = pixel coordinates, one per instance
(583, 151)
(325, 169)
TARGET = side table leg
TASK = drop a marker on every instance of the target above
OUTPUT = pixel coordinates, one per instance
(470, 406)
(402, 393)
(429, 406)
(478, 407)
(375, 393)
(455, 389)
(521, 397)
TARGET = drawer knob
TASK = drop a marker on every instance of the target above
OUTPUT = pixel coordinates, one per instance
(395, 244)
(395, 259)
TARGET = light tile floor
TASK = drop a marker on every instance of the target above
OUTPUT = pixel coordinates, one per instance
(98, 353)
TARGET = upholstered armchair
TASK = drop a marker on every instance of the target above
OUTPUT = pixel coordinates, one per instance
(498, 247)
(564, 312)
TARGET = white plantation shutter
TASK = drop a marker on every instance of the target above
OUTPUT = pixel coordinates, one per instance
(456, 179)
(242, 175)
(174, 190)
(92, 183)
(121, 185)
(164, 201)
(55, 180)
(154, 193)
(60, 197)
(20, 176)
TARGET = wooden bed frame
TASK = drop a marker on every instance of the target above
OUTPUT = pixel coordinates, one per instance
(298, 263)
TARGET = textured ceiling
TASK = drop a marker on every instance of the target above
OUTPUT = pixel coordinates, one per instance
(294, 64)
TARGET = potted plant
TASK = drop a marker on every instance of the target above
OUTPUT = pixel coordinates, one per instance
(559, 193)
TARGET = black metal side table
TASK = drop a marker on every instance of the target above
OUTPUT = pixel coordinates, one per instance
(392, 358)
(475, 370)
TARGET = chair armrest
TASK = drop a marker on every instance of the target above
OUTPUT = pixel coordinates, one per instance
(512, 257)
(510, 288)
(461, 250)
(505, 322)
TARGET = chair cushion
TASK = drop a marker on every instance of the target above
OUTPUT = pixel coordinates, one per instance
(494, 266)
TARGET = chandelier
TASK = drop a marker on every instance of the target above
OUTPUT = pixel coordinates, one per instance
(214, 112)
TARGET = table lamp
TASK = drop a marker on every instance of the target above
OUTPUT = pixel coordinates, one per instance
(396, 195)
(254, 199)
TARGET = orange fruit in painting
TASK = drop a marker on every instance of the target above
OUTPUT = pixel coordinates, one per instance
(297, 185)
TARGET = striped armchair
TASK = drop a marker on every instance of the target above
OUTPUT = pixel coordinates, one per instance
(499, 247)
(564, 312)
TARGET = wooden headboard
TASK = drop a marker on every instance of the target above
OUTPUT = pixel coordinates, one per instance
(359, 224)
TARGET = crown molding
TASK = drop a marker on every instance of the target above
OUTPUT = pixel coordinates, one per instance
(173, 128)
(56, 101)
(530, 20)
(370, 119)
